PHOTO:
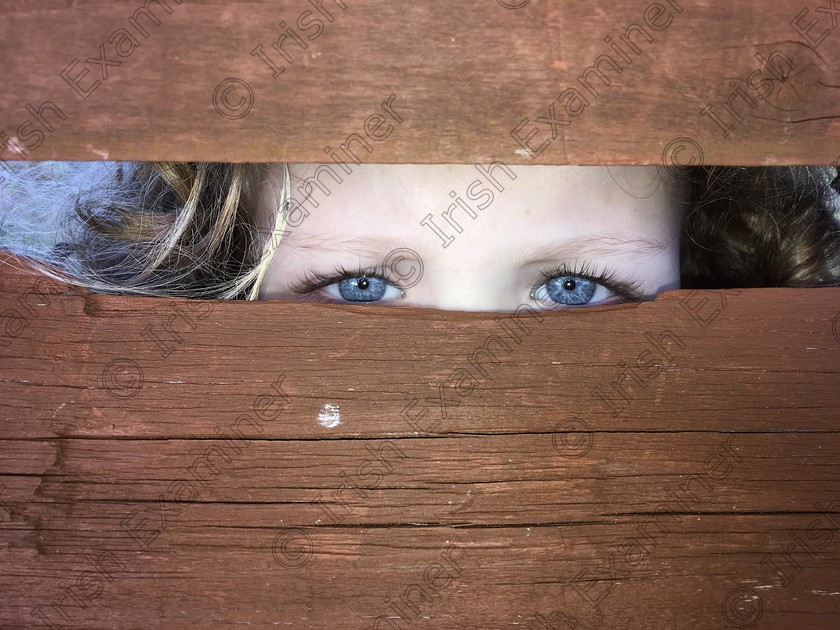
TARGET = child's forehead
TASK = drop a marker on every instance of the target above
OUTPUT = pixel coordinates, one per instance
(507, 207)
(444, 183)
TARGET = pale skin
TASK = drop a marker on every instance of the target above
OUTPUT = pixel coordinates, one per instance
(549, 217)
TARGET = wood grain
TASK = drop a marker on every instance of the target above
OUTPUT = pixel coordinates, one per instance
(205, 82)
(200, 470)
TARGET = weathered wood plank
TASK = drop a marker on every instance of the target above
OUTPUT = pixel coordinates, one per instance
(452, 481)
(214, 572)
(204, 81)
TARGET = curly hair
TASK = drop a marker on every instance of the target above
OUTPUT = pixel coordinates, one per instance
(171, 229)
(761, 227)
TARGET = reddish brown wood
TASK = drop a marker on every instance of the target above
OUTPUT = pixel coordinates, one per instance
(463, 75)
(503, 513)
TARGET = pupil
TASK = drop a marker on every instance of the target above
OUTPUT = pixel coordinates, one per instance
(363, 283)
(569, 285)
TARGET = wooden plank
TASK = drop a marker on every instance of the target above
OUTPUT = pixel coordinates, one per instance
(492, 471)
(711, 499)
(214, 572)
(469, 82)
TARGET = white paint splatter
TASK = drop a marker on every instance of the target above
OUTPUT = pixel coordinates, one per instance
(103, 154)
(330, 416)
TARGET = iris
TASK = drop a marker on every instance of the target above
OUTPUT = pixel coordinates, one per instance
(362, 289)
(571, 290)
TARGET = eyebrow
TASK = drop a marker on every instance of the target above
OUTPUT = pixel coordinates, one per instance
(597, 245)
(371, 246)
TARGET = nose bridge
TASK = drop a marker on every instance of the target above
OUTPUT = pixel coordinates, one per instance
(475, 283)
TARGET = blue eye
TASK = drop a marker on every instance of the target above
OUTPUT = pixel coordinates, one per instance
(355, 286)
(570, 290)
(361, 289)
(581, 287)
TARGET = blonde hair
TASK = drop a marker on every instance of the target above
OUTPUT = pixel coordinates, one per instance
(152, 228)
(192, 230)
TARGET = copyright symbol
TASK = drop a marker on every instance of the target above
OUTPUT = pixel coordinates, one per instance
(638, 187)
(741, 607)
(835, 328)
(229, 106)
(410, 274)
(122, 378)
(514, 4)
(572, 438)
(292, 548)
(681, 152)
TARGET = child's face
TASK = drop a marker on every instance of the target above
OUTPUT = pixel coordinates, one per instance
(553, 237)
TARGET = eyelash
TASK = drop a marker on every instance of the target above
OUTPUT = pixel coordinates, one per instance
(627, 291)
(313, 280)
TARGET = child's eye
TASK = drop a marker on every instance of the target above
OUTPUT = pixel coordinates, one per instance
(364, 288)
(564, 287)
(361, 285)
(570, 291)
